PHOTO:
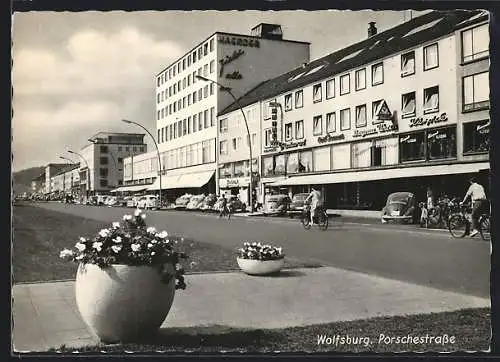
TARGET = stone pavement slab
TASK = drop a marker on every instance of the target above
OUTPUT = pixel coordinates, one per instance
(45, 314)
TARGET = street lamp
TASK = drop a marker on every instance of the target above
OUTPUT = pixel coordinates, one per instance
(88, 170)
(228, 90)
(110, 153)
(70, 162)
(157, 150)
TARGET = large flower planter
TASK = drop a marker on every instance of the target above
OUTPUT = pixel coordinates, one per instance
(260, 267)
(121, 303)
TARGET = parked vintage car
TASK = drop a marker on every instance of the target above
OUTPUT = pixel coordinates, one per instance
(400, 206)
(182, 201)
(236, 204)
(132, 201)
(208, 203)
(195, 202)
(150, 202)
(297, 204)
(277, 204)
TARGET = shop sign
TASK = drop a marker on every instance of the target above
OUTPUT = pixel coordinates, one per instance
(285, 146)
(436, 135)
(484, 128)
(228, 59)
(232, 182)
(384, 113)
(331, 138)
(232, 40)
(428, 121)
(408, 139)
(381, 128)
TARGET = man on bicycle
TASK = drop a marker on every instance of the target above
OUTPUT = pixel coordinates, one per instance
(316, 201)
(479, 203)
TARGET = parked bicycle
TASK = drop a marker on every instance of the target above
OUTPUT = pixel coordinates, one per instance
(459, 222)
(321, 218)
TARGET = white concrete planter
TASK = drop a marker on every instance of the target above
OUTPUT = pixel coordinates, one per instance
(121, 302)
(260, 267)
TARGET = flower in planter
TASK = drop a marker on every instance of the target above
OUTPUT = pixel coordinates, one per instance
(132, 243)
(259, 251)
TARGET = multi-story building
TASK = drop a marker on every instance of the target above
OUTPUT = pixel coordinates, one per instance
(38, 184)
(102, 166)
(67, 180)
(403, 110)
(50, 170)
(187, 107)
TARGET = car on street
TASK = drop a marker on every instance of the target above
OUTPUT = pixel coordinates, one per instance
(236, 204)
(150, 202)
(208, 203)
(400, 206)
(277, 204)
(132, 201)
(195, 202)
(182, 201)
(297, 204)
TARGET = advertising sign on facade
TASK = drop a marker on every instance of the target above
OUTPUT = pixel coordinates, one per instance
(233, 40)
(285, 146)
(384, 113)
(428, 121)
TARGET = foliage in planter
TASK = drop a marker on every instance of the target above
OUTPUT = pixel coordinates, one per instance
(258, 251)
(130, 243)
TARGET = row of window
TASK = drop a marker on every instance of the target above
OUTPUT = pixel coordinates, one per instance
(236, 144)
(204, 92)
(191, 124)
(191, 58)
(237, 169)
(180, 85)
(436, 144)
(105, 149)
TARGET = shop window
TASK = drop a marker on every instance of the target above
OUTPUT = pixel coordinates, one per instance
(345, 84)
(317, 125)
(267, 137)
(408, 105)
(476, 92)
(299, 99)
(360, 79)
(475, 43)
(330, 88)
(226, 170)
(268, 166)
(361, 116)
(305, 161)
(330, 122)
(239, 169)
(279, 165)
(288, 102)
(360, 154)
(322, 159)
(431, 100)
(292, 163)
(345, 119)
(288, 131)
(299, 129)
(442, 143)
(317, 93)
(477, 137)
(431, 57)
(377, 74)
(412, 147)
(408, 64)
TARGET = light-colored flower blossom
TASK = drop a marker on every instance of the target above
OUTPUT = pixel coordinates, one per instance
(66, 253)
(150, 245)
(116, 248)
(116, 225)
(104, 233)
(80, 246)
(137, 212)
(117, 240)
(151, 230)
(163, 235)
(143, 216)
(97, 245)
(153, 253)
(127, 217)
(135, 247)
(82, 239)
(79, 257)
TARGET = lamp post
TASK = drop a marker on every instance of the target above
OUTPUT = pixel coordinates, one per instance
(110, 153)
(70, 162)
(157, 150)
(88, 170)
(228, 90)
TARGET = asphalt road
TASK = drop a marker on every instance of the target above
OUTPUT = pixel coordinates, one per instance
(425, 257)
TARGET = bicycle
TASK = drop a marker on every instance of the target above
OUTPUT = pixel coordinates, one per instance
(459, 223)
(321, 218)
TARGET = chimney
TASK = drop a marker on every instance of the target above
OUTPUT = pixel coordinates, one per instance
(372, 30)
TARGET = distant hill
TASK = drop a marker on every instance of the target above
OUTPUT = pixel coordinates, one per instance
(22, 179)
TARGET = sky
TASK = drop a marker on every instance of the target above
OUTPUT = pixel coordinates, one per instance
(76, 74)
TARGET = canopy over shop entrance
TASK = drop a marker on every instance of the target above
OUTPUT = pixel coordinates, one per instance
(131, 188)
(190, 180)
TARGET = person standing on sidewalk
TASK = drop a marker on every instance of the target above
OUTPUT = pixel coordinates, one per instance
(479, 203)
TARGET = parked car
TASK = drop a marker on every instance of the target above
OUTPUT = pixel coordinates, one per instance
(182, 201)
(195, 202)
(400, 206)
(297, 204)
(236, 204)
(132, 201)
(208, 202)
(277, 204)
(148, 202)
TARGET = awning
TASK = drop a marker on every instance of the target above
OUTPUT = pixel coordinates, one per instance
(131, 188)
(372, 175)
(188, 180)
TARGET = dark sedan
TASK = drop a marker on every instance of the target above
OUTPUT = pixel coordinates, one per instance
(400, 206)
(298, 203)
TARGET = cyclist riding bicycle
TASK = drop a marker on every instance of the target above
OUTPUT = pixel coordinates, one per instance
(479, 203)
(316, 202)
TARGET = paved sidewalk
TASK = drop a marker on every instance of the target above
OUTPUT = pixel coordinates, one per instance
(45, 314)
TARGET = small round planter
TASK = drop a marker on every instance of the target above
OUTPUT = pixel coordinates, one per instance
(121, 303)
(260, 267)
